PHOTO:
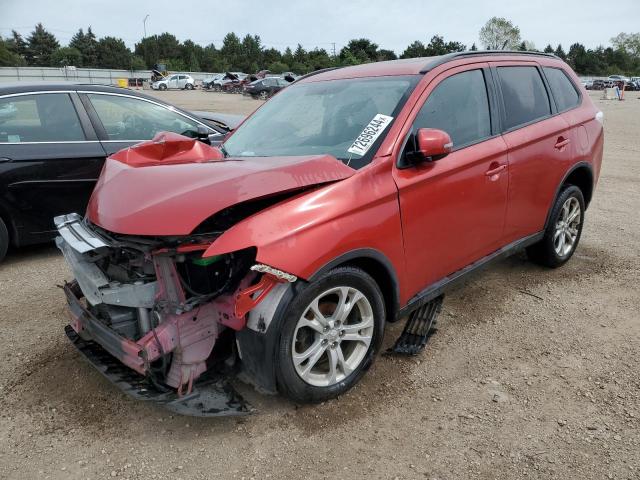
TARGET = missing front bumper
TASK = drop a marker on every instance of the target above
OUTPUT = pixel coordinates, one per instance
(122, 362)
(212, 396)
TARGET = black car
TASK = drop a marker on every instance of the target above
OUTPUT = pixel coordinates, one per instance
(265, 88)
(54, 139)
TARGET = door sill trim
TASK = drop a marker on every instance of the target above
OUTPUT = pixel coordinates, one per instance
(436, 289)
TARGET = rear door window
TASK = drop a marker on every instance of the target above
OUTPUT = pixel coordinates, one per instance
(459, 105)
(524, 95)
(562, 89)
(47, 117)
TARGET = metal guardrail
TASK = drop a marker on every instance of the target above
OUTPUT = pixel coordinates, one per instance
(82, 75)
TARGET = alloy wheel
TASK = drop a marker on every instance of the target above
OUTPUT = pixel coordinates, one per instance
(332, 337)
(567, 227)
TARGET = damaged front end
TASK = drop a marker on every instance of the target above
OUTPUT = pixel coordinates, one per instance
(156, 317)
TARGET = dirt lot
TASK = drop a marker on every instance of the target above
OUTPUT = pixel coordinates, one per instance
(533, 374)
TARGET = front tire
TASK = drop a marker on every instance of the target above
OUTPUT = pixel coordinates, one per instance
(4, 240)
(162, 87)
(563, 231)
(331, 332)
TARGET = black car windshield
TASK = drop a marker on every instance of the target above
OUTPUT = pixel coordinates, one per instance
(344, 118)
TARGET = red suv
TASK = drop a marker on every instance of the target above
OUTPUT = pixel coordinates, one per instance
(353, 198)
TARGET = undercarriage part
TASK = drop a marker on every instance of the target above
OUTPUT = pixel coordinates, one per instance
(212, 395)
(418, 329)
(144, 322)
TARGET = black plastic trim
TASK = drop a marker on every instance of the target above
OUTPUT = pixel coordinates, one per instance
(372, 254)
(480, 53)
(437, 288)
(575, 167)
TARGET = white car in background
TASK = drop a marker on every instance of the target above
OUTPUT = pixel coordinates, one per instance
(180, 81)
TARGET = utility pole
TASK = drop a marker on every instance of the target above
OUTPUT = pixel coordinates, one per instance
(144, 25)
(334, 48)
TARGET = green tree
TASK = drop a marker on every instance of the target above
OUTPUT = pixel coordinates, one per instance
(362, 49)
(317, 59)
(437, 46)
(86, 44)
(287, 57)
(473, 48)
(42, 44)
(251, 58)
(113, 53)
(7, 57)
(17, 45)
(500, 34)
(629, 42)
(523, 46)
(548, 49)
(278, 67)
(137, 63)
(560, 53)
(384, 54)
(415, 50)
(66, 56)
(231, 51)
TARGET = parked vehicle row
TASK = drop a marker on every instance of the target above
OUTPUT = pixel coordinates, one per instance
(353, 198)
(613, 81)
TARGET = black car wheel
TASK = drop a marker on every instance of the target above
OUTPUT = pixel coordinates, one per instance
(162, 87)
(331, 332)
(563, 231)
(189, 86)
(4, 239)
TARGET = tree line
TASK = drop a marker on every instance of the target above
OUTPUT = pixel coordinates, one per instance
(248, 54)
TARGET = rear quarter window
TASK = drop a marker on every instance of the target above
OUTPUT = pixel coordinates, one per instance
(564, 92)
(524, 95)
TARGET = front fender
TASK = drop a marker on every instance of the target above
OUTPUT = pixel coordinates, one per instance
(307, 232)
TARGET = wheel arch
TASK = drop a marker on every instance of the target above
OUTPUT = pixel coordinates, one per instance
(376, 264)
(580, 175)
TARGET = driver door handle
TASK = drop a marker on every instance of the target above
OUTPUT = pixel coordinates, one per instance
(495, 170)
(562, 142)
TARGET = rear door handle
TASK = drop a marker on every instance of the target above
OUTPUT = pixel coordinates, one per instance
(562, 142)
(495, 171)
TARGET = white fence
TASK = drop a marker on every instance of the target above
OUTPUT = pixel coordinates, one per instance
(82, 75)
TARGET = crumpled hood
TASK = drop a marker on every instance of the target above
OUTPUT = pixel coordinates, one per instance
(168, 196)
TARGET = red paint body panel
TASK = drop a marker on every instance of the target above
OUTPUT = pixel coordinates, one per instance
(174, 199)
(307, 232)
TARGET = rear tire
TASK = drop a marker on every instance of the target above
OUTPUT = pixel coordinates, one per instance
(162, 87)
(4, 240)
(563, 231)
(322, 355)
(188, 86)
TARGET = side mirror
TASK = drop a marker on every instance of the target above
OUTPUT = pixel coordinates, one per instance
(433, 144)
(203, 134)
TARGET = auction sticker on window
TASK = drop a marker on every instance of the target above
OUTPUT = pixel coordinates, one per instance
(370, 134)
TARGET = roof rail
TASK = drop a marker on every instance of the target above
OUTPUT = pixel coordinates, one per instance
(315, 72)
(452, 56)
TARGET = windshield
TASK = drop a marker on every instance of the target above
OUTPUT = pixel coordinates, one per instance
(344, 118)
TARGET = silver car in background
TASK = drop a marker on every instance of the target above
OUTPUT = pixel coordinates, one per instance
(180, 81)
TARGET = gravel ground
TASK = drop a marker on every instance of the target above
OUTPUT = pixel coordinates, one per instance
(532, 374)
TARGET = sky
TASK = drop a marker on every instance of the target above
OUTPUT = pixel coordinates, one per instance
(312, 23)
